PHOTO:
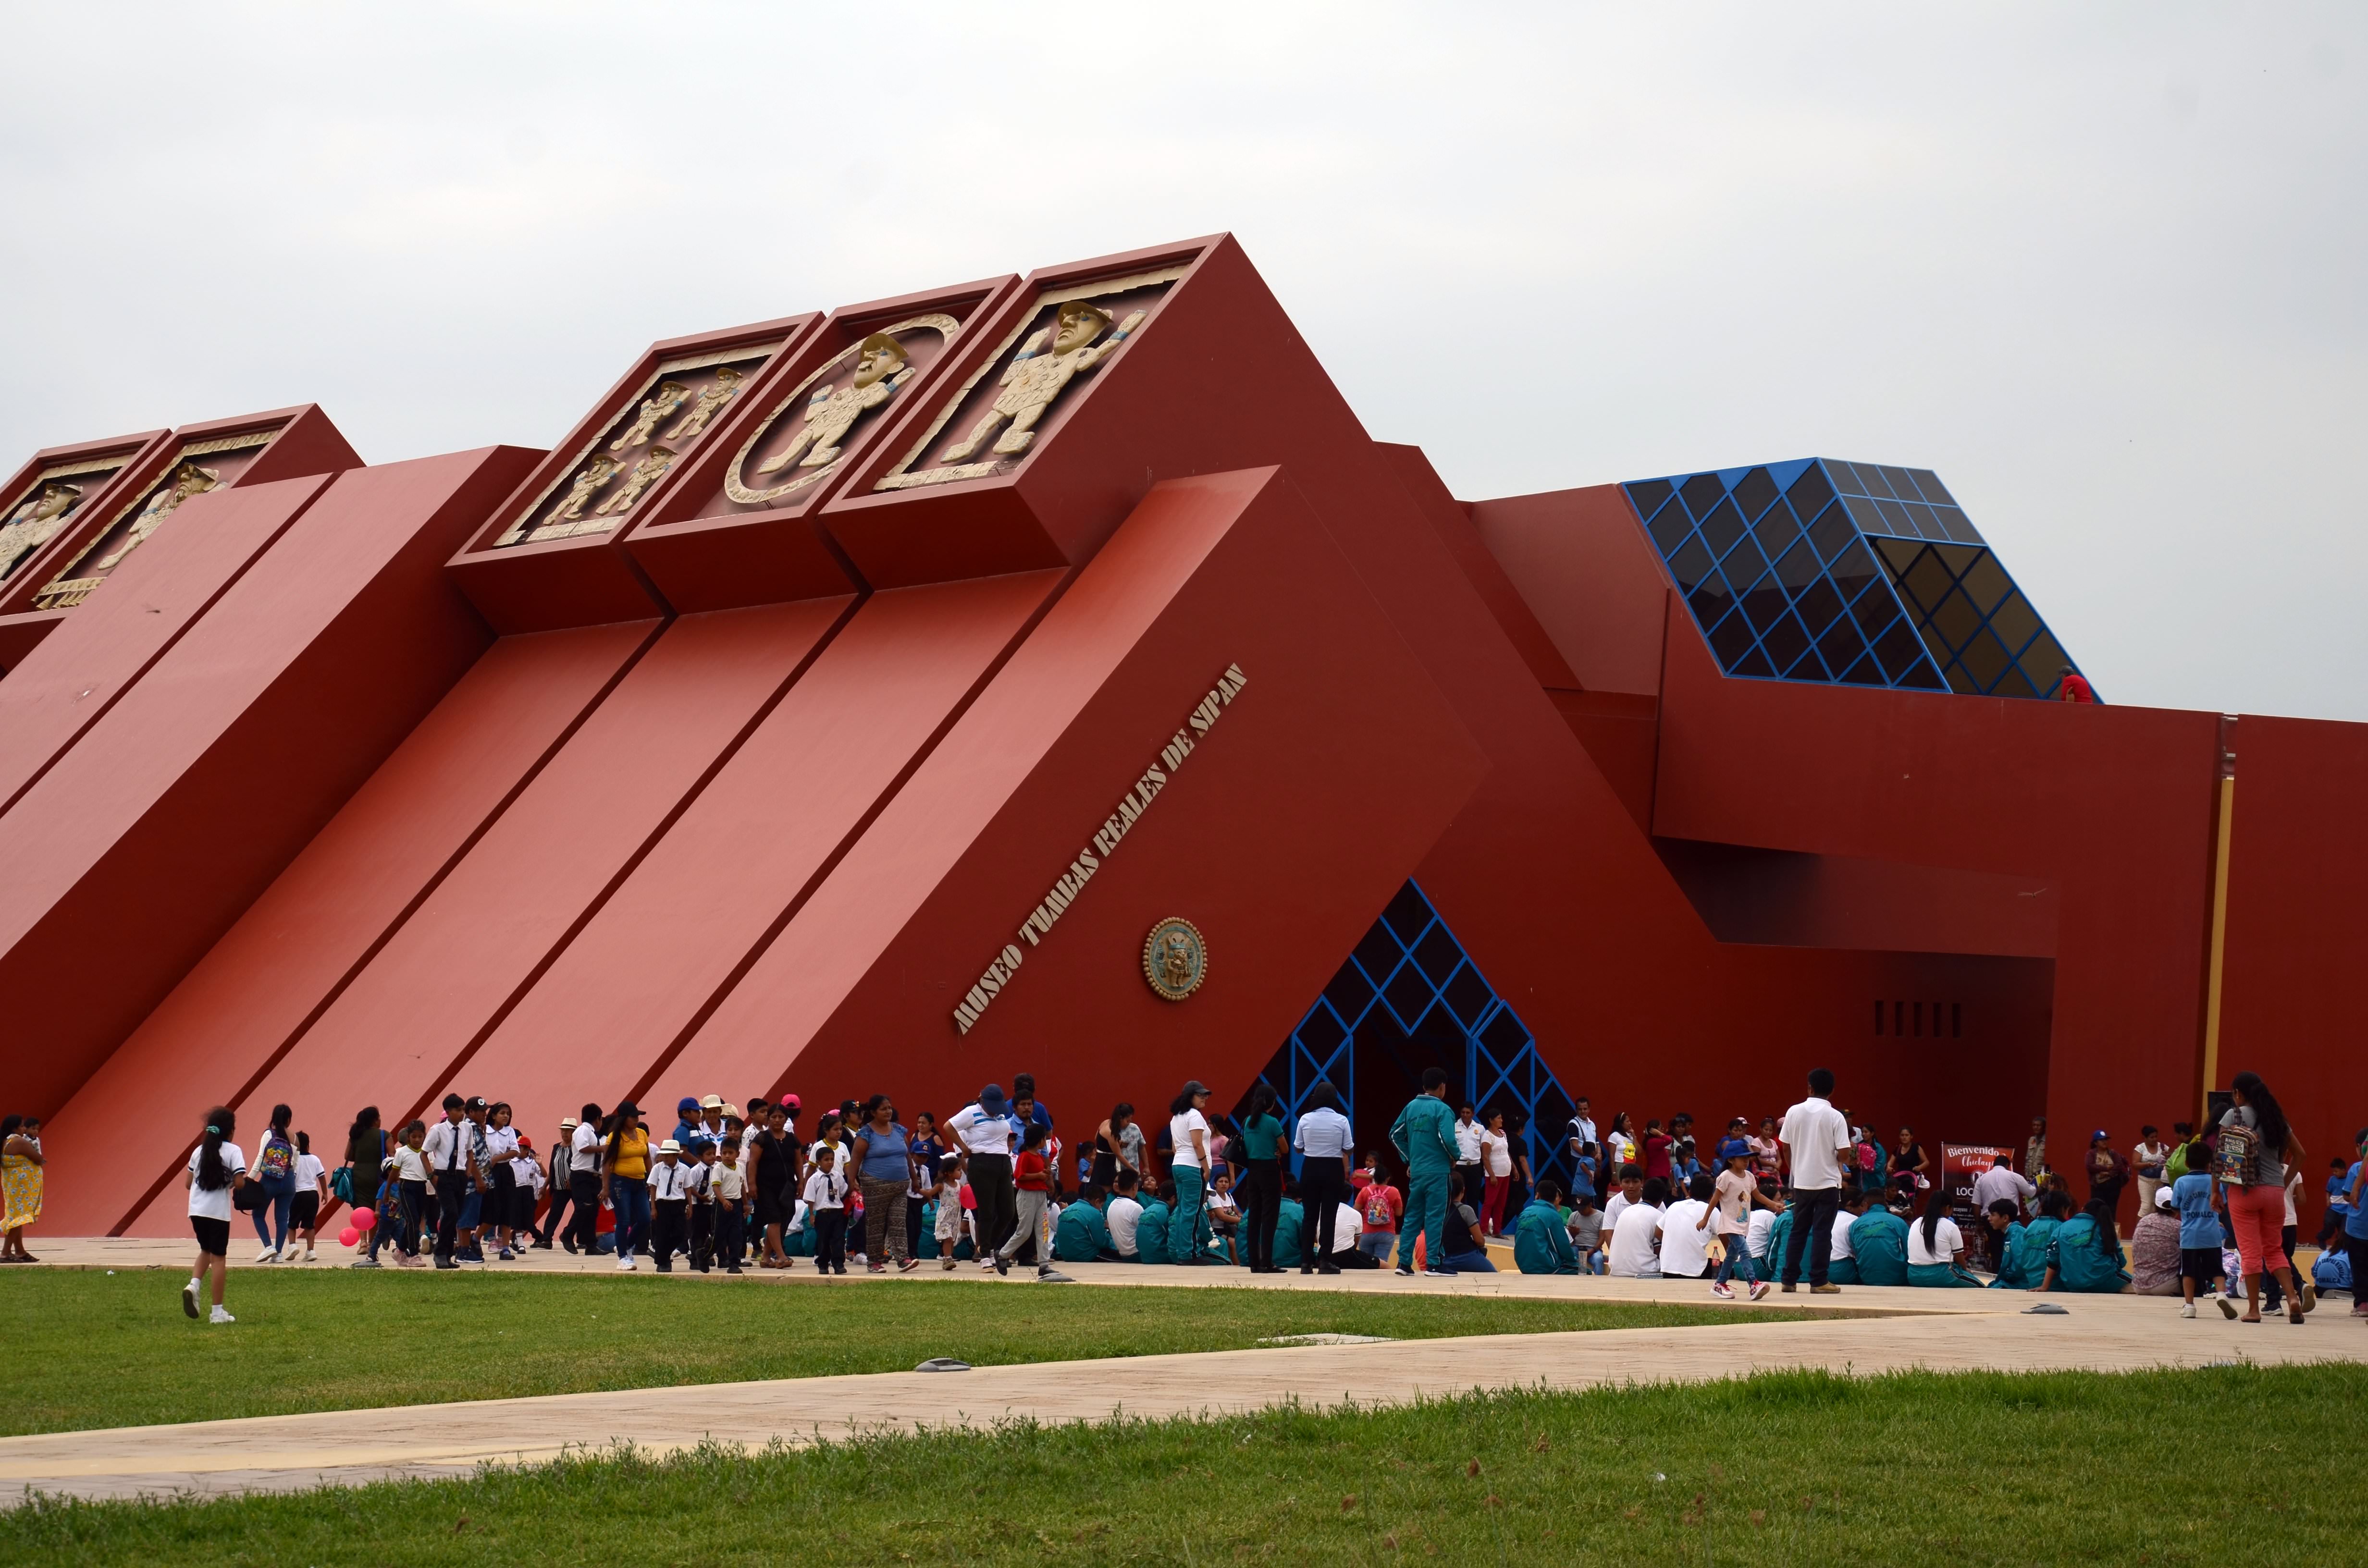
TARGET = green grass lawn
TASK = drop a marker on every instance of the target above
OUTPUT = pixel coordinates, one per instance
(2193, 1467)
(85, 1349)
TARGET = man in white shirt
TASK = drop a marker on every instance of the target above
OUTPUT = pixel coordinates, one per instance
(1817, 1139)
(984, 1132)
(2001, 1182)
(1635, 1238)
(1122, 1214)
(1685, 1240)
(584, 1183)
(1581, 1138)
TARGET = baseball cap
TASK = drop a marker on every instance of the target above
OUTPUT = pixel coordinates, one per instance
(2163, 1199)
(476, 1102)
(687, 1103)
(792, 1102)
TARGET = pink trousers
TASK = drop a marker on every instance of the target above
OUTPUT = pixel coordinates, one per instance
(2258, 1215)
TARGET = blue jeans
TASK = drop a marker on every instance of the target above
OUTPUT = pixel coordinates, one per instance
(1426, 1216)
(1376, 1244)
(1192, 1215)
(629, 1196)
(279, 1195)
(1739, 1260)
(1467, 1261)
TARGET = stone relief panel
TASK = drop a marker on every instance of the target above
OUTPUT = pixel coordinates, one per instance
(1000, 412)
(600, 487)
(197, 467)
(39, 513)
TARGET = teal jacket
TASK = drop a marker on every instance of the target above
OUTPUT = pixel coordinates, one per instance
(1879, 1242)
(2027, 1247)
(1289, 1221)
(1082, 1236)
(1779, 1236)
(2009, 1277)
(1541, 1241)
(1424, 1135)
(1151, 1234)
(2087, 1257)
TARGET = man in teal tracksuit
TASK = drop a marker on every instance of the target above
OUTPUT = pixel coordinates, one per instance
(1424, 1134)
(1541, 1236)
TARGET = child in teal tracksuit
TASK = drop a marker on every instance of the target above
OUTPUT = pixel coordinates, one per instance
(1542, 1237)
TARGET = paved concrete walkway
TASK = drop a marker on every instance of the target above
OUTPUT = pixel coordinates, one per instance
(1873, 1331)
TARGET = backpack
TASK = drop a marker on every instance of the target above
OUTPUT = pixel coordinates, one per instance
(1373, 1206)
(2236, 1162)
(277, 1158)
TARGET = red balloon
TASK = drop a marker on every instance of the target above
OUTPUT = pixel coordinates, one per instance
(364, 1218)
(349, 1236)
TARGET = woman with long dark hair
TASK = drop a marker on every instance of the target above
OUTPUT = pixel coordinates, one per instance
(1188, 1130)
(1118, 1147)
(216, 1167)
(275, 1174)
(2256, 1144)
(366, 1155)
(1936, 1248)
(1261, 1185)
(625, 1162)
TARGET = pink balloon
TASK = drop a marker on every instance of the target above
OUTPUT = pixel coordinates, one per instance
(364, 1218)
(348, 1236)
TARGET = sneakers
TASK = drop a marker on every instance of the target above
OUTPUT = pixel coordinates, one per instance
(733, 1268)
(1723, 1291)
(625, 1265)
(1328, 1268)
(2187, 1309)
(1822, 1289)
(1001, 1264)
(365, 1263)
(410, 1260)
(446, 1263)
(907, 1265)
(268, 1255)
(875, 1268)
(2309, 1295)
(1052, 1277)
(189, 1296)
(1759, 1289)
(949, 1266)
(1402, 1272)
(2227, 1309)
(1439, 1273)
(987, 1262)
(220, 1316)
(506, 1255)
(308, 1255)
(470, 1254)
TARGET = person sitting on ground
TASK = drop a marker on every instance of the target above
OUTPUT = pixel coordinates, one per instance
(2154, 1246)
(1778, 1236)
(1293, 1234)
(1347, 1232)
(1542, 1243)
(1586, 1227)
(1225, 1219)
(1379, 1205)
(1767, 1207)
(1157, 1225)
(1122, 1213)
(2085, 1256)
(1841, 1258)
(2007, 1233)
(1083, 1234)
(1879, 1244)
(1936, 1248)
(1467, 1252)
(1685, 1232)
(1635, 1250)
(1632, 1190)
(2026, 1260)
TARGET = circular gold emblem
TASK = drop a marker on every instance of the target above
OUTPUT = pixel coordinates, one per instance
(1175, 961)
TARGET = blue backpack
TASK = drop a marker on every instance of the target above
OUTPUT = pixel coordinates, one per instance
(2333, 1272)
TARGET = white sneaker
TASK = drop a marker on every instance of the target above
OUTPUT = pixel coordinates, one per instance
(266, 1254)
(624, 1266)
(222, 1315)
(189, 1296)
(308, 1255)
(2187, 1310)
(1723, 1291)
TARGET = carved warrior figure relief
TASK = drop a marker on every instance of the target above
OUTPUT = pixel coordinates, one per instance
(35, 523)
(719, 392)
(669, 396)
(187, 479)
(646, 473)
(588, 484)
(831, 413)
(1034, 379)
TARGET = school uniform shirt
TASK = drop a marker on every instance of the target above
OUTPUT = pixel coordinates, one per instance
(309, 1172)
(1814, 1130)
(1633, 1256)
(1947, 1241)
(584, 1150)
(1685, 1251)
(1179, 1133)
(410, 1164)
(702, 1180)
(501, 1144)
(728, 1183)
(1621, 1203)
(215, 1205)
(1755, 1231)
(670, 1183)
(979, 1133)
(525, 1171)
(1838, 1243)
(1123, 1215)
(450, 1146)
(1322, 1135)
(825, 1189)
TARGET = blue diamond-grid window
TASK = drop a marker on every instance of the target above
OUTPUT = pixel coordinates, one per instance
(1770, 558)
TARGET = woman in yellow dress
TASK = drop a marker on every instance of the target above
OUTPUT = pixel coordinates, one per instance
(20, 1176)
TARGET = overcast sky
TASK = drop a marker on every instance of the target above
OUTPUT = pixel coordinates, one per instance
(2099, 265)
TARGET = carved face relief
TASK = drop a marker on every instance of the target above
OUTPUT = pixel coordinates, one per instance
(876, 363)
(1078, 328)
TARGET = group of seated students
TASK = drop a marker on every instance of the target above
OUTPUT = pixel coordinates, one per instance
(1642, 1233)
(1127, 1223)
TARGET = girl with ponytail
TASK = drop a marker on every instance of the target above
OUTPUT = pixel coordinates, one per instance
(216, 1168)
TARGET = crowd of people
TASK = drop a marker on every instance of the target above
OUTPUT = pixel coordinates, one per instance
(1813, 1197)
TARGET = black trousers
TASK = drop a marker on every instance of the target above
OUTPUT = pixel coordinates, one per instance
(1322, 1189)
(702, 1235)
(997, 1213)
(562, 1193)
(1813, 1226)
(1261, 1197)
(451, 1191)
(830, 1238)
(584, 1190)
(669, 1229)
(731, 1229)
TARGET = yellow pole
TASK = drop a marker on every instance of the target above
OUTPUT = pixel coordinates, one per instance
(2219, 948)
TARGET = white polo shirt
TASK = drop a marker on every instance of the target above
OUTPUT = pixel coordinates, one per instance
(1839, 1245)
(1814, 1130)
(1631, 1252)
(1123, 1215)
(1947, 1240)
(215, 1205)
(980, 1133)
(586, 1147)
